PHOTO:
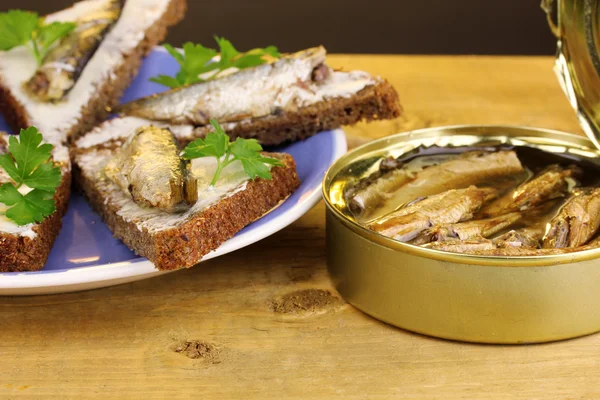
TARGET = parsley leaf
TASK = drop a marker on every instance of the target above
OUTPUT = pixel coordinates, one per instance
(44, 177)
(9, 194)
(7, 162)
(228, 52)
(247, 151)
(47, 35)
(33, 207)
(215, 144)
(19, 28)
(166, 80)
(16, 28)
(27, 151)
(28, 163)
(197, 63)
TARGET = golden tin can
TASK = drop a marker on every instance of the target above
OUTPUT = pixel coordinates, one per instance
(463, 297)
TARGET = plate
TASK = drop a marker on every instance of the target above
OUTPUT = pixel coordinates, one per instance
(87, 256)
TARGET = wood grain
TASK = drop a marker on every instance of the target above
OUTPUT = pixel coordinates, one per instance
(250, 324)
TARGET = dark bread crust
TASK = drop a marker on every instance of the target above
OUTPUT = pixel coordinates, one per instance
(376, 102)
(186, 244)
(19, 253)
(111, 90)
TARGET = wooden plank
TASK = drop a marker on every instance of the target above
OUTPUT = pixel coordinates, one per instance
(265, 323)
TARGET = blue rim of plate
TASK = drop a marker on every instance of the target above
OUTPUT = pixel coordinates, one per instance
(73, 266)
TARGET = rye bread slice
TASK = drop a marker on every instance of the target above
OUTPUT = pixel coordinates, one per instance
(29, 250)
(107, 89)
(173, 241)
(375, 102)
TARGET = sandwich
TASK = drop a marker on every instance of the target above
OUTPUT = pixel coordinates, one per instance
(35, 183)
(284, 99)
(83, 59)
(170, 204)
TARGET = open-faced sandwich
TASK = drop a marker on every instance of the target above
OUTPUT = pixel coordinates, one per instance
(263, 95)
(35, 182)
(174, 205)
(63, 72)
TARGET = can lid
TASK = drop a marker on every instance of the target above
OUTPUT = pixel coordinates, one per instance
(576, 25)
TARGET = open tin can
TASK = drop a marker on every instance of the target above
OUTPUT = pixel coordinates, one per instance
(486, 299)
(460, 296)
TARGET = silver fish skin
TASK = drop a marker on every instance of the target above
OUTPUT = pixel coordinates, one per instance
(248, 93)
(149, 168)
(467, 230)
(550, 183)
(64, 64)
(577, 221)
(448, 207)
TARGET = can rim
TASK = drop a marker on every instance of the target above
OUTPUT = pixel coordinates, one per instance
(479, 260)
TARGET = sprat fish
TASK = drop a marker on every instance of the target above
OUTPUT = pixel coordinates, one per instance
(248, 93)
(577, 221)
(448, 207)
(552, 182)
(468, 230)
(528, 251)
(64, 64)
(398, 187)
(473, 245)
(524, 238)
(374, 190)
(149, 167)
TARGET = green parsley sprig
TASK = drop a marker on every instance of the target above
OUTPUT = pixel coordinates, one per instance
(28, 163)
(247, 151)
(26, 28)
(197, 60)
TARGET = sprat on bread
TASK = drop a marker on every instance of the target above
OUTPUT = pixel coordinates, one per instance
(264, 95)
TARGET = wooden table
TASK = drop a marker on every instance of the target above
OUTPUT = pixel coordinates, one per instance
(264, 322)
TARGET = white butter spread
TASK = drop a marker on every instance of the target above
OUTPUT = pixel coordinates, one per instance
(55, 120)
(121, 128)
